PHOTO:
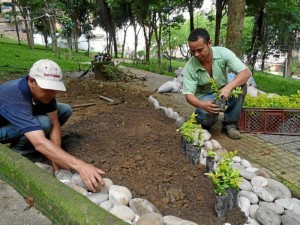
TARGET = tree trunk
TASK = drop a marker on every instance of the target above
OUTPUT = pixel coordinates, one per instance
(124, 40)
(191, 12)
(157, 32)
(15, 17)
(236, 11)
(220, 5)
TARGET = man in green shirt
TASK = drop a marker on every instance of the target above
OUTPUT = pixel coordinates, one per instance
(212, 62)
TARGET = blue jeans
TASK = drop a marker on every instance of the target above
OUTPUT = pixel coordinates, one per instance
(231, 114)
(19, 143)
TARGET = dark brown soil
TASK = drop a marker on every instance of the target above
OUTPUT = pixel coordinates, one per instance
(138, 147)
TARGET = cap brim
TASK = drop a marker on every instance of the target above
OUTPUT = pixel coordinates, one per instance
(51, 85)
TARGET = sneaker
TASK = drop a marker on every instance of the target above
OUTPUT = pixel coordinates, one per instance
(231, 131)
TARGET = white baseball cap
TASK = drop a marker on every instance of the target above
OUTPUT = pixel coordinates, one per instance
(48, 75)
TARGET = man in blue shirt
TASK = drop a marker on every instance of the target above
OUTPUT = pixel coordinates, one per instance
(208, 63)
(31, 119)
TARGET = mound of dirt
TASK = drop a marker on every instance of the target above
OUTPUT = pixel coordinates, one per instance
(138, 147)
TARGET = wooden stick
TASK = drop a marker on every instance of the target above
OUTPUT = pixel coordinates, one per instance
(83, 105)
(106, 99)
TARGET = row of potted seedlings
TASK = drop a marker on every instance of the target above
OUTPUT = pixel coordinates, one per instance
(225, 179)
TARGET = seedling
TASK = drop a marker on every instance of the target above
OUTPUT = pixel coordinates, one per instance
(220, 101)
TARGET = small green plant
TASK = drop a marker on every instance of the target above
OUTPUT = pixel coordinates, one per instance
(225, 177)
(191, 130)
(216, 90)
(275, 101)
(211, 154)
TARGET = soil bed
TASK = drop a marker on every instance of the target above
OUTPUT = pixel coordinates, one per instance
(138, 147)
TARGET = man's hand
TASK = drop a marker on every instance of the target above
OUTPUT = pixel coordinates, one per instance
(225, 92)
(90, 175)
(210, 106)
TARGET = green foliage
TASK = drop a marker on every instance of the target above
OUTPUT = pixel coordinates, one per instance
(225, 177)
(152, 66)
(211, 154)
(16, 60)
(216, 90)
(190, 128)
(114, 73)
(276, 84)
(276, 101)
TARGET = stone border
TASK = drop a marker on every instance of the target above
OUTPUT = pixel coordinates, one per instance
(59, 203)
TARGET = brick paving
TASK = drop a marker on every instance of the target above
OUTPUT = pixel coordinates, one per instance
(280, 154)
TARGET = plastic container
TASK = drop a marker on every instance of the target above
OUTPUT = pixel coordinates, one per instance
(270, 121)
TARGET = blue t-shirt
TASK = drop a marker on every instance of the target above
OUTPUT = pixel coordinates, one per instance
(17, 106)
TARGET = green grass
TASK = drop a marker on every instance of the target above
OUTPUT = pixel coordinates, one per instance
(276, 84)
(16, 60)
(154, 67)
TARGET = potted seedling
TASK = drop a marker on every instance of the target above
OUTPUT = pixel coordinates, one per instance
(210, 160)
(226, 181)
(191, 139)
(220, 100)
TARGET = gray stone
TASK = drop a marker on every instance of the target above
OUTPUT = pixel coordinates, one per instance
(107, 205)
(259, 181)
(263, 173)
(287, 220)
(287, 203)
(292, 214)
(172, 220)
(246, 163)
(64, 175)
(119, 195)
(245, 185)
(267, 216)
(276, 192)
(123, 212)
(252, 211)
(251, 221)
(142, 206)
(151, 218)
(275, 183)
(263, 194)
(244, 204)
(275, 207)
(250, 195)
(98, 198)
(247, 174)
(77, 188)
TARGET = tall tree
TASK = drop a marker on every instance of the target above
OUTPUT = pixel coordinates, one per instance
(236, 12)
(220, 8)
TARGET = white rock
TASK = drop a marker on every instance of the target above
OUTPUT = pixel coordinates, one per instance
(245, 185)
(252, 211)
(252, 169)
(278, 209)
(119, 195)
(172, 220)
(287, 203)
(107, 205)
(275, 183)
(236, 159)
(252, 222)
(244, 204)
(263, 194)
(151, 218)
(259, 181)
(107, 184)
(64, 176)
(98, 198)
(253, 198)
(206, 135)
(208, 146)
(246, 163)
(76, 179)
(247, 174)
(216, 144)
(180, 121)
(123, 212)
